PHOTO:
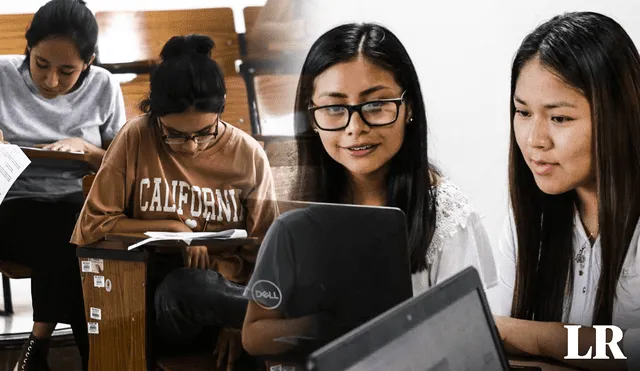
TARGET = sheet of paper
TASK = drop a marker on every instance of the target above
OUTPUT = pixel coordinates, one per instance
(47, 150)
(187, 237)
(12, 163)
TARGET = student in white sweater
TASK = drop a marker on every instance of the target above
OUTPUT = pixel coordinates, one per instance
(363, 140)
(569, 252)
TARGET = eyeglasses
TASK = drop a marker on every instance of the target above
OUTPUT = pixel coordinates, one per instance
(197, 138)
(336, 117)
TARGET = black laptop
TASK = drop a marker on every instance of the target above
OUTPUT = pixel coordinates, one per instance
(351, 263)
(447, 328)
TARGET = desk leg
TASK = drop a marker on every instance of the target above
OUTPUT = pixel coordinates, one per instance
(114, 287)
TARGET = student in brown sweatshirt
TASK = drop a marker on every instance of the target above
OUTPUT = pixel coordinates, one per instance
(180, 168)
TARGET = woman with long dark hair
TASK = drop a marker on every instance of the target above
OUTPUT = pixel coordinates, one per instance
(362, 130)
(569, 253)
(54, 98)
(181, 168)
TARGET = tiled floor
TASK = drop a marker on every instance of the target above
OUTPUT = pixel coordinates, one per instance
(60, 359)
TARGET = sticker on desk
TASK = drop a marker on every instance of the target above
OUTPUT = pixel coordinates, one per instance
(98, 281)
(91, 266)
(288, 368)
(275, 368)
(95, 313)
(87, 266)
(93, 327)
(107, 285)
(98, 264)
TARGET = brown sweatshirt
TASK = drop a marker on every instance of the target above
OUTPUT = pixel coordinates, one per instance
(142, 178)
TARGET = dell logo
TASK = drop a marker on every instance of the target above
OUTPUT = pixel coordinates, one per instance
(601, 343)
(266, 294)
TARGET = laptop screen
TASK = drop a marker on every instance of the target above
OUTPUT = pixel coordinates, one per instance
(456, 338)
(448, 327)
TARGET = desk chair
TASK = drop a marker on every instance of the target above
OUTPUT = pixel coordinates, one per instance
(131, 41)
(236, 110)
(250, 15)
(12, 30)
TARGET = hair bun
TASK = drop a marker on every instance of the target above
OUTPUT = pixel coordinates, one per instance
(181, 46)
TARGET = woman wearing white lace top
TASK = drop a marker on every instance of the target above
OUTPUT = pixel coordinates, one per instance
(570, 253)
(363, 130)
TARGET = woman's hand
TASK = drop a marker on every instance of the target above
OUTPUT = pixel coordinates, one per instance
(196, 257)
(67, 145)
(230, 345)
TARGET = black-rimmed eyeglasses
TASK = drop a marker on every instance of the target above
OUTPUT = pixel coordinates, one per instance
(198, 138)
(336, 117)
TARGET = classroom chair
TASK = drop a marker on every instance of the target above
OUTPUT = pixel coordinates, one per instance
(135, 88)
(12, 30)
(131, 41)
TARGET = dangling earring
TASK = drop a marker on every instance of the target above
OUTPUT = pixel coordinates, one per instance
(315, 130)
(410, 119)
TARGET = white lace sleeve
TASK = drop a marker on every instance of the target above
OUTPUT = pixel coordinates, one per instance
(460, 240)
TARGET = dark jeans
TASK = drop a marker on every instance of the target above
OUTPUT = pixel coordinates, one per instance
(189, 302)
(36, 234)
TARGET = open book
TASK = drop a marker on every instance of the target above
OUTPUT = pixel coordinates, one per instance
(187, 237)
(48, 150)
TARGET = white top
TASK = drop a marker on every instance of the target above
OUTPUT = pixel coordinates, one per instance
(459, 241)
(626, 310)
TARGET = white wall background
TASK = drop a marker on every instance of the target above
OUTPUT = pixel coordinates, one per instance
(462, 50)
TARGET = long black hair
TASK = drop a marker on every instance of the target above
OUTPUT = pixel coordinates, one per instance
(186, 78)
(320, 178)
(593, 54)
(69, 19)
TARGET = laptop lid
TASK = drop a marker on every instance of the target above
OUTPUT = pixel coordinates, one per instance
(351, 262)
(449, 327)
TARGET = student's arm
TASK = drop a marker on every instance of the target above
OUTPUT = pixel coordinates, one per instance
(460, 239)
(468, 246)
(107, 208)
(113, 123)
(274, 274)
(549, 339)
(262, 327)
(505, 256)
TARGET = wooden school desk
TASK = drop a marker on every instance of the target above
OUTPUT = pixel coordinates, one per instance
(119, 301)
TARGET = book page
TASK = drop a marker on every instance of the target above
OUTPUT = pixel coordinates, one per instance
(187, 237)
(12, 163)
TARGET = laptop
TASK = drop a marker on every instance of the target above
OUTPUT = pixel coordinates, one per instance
(447, 328)
(352, 262)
